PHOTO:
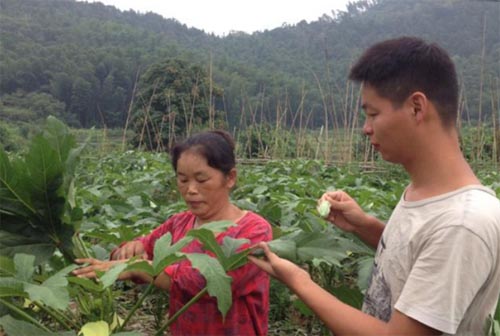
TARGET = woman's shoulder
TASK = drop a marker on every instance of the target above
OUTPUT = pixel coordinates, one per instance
(253, 218)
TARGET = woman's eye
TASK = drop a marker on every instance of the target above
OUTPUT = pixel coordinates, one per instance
(202, 181)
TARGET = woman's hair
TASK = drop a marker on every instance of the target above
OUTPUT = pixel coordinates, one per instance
(398, 67)
(217, 147)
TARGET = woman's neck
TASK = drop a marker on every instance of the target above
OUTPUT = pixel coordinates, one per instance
(230, 212)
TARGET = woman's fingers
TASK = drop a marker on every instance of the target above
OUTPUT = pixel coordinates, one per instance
(93, 266)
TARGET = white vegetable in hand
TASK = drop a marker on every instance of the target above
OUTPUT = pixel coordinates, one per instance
(323, 208)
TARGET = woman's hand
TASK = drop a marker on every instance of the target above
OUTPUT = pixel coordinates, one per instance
(129, 250)
(282, 269)
(94, 265)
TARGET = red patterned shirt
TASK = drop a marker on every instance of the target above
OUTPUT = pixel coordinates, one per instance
(250, 286)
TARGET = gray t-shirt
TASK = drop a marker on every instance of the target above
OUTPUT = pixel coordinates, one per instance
(438, 262)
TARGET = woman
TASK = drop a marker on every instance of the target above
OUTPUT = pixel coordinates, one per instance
(206, 173)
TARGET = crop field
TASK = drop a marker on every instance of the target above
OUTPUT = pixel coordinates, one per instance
(86, 203)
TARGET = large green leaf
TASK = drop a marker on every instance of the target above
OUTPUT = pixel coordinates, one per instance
(365, 266)
(24, 264)
(11, 287)
(112, 274)
(12, 244)
(36, 191)
(231, 245)
(87, 284)
(218, 226)
(218, 282)
(14, 192)
(165, 254)
(349, 295)
(16, 327)
(232, 259)
(207, 238)
(53, 292)
(319, 245)
(55, 297)
(7, 267)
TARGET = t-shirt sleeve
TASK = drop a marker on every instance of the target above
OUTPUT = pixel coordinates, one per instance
(450, 269)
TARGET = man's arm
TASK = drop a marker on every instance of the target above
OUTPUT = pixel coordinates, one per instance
(343, 319)
(339, 317)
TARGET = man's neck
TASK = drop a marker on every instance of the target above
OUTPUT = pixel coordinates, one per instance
(439, 170)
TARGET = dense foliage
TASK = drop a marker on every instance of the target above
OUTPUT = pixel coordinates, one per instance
(111, 198)
(82, 61)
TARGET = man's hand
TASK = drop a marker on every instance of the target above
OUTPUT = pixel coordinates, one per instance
(282, 269)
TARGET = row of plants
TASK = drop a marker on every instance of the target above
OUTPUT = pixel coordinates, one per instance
(59, 201)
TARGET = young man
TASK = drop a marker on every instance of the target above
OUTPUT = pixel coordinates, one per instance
(437, 267)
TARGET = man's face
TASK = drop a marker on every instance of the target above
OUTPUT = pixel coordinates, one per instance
(388, 127)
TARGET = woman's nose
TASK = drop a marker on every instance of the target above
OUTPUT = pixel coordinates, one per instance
(191, 189)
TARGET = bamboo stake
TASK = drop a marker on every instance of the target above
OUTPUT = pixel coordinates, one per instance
(129, 112)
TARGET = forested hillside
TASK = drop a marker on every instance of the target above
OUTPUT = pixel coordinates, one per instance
(83, 62)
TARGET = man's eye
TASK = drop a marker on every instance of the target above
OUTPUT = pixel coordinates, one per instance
(202, 181)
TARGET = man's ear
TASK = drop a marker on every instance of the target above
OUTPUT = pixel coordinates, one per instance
(418, 104)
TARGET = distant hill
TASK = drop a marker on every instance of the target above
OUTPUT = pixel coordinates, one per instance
(81, 61)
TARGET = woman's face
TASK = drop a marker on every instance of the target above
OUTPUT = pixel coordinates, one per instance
(204, 189)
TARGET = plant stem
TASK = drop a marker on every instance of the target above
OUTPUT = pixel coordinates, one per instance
(60, 318)
(27, 317)
(182, 310)
(136, 306)
(197, 296)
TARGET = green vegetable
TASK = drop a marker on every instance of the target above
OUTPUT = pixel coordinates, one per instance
(286, 249)
(324, 208)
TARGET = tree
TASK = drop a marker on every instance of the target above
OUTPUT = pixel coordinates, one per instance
(80, 100)
(174, 98)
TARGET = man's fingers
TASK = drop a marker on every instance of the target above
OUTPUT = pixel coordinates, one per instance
(262, 264)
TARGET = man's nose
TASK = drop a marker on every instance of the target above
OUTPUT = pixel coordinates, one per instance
(367, 128)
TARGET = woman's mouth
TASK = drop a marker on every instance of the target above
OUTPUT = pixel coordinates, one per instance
(194, 204)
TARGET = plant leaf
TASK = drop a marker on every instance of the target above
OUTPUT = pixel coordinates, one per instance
(230, 245)
(55, 297)
(218, 282)
(99, 328)
(112, 274)
(7, 266)
(11, 287)
(207, 238)
(12, 244)
(234, 260)
(88, 284)
(284, 248)
(218, 226)
(165, 254)
(24, 266)
(12, 326)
